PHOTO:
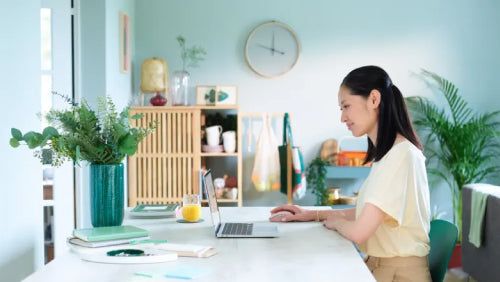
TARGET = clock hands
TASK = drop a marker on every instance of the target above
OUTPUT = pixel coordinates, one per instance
(272, 49)
(272, 45)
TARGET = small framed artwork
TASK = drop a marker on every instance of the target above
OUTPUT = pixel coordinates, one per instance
(228, 95)
(125, 52)
(216, 95)
(205, 95)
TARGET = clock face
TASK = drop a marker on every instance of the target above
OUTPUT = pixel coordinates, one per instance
(272, 49)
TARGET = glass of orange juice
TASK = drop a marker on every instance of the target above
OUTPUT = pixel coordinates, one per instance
(191, 207)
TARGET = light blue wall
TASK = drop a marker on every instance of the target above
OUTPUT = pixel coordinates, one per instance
(100, 69)
(457, 39)
(100, 73)
(93, 50)
(118, 84)
(21, 248)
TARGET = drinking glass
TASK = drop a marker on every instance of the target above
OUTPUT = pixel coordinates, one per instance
(191, 207)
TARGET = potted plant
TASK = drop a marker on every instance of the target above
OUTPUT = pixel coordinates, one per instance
(102, 138)
(190, 58)
(315, 178)
(460, 146)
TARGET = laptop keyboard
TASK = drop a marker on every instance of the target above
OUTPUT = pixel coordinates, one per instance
(237, 229)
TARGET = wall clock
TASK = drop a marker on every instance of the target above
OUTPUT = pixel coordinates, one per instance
(272, 49)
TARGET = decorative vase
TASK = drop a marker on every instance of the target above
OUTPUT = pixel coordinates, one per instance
(158, 100)
(180, 84)
(106, 194)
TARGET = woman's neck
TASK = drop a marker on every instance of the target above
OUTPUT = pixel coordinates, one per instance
(399, 138)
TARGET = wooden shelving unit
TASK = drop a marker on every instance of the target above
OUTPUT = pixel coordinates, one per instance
(168, 162)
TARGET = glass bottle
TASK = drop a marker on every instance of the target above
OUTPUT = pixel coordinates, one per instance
(180, 84)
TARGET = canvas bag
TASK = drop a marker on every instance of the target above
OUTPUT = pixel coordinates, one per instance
(266, 170)
(298, 168)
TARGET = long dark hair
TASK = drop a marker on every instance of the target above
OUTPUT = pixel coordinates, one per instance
(393, 117)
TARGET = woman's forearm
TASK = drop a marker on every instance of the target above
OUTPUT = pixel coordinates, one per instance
(320, 215)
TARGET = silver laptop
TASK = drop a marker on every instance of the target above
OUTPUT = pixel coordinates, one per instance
(234, 229)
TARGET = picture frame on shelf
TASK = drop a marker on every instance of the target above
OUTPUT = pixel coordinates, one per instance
(226, 95)
(232, 95)
(203, 94)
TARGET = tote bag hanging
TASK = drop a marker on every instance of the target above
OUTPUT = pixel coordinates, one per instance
(297, 165)
(266, 170)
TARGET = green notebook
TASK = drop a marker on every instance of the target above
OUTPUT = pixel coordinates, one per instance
(109, 233)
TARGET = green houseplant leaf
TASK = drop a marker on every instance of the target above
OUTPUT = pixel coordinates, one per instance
(49, 131)
(460, 145)
(80, 133)
(315, 177)
(16, 134)
(14, 143)
(128, 145)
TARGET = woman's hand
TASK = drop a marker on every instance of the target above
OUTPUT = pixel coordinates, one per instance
(298, 213)
(334, 220)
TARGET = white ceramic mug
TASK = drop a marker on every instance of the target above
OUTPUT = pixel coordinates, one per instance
(229, 141)
(232, 193)
(213, 135)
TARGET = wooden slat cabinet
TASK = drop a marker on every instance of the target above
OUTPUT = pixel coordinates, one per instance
(167, 163)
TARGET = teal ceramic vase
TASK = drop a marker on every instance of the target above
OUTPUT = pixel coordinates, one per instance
(106, 194)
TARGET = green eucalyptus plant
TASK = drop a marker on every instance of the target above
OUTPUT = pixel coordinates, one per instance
(82, 134)
(190, 56)
(461, 146)
(316, 177)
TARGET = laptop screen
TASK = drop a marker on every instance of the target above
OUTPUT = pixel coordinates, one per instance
(212, 201)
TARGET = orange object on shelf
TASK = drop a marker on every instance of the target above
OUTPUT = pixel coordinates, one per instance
(351, 158)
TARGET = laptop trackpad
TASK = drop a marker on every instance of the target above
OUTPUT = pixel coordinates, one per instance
(265, 229)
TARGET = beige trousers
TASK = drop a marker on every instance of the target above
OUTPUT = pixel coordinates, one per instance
(399, 269)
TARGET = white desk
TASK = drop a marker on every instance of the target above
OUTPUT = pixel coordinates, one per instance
(303, 252)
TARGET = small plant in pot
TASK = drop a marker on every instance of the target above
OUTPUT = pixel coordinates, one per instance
(316, 180)
(461, 146)
(102, 138)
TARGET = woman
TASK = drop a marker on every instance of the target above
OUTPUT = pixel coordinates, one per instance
(391, 221)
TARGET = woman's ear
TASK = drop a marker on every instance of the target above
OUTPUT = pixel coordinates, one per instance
(374, 98)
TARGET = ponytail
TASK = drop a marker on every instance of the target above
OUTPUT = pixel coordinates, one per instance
(405, 126)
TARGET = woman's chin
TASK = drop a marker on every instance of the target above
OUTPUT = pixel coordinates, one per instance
(356, 134)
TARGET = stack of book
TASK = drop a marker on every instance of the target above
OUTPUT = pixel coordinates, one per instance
(117, 244)
(108, 236)
(89, 241)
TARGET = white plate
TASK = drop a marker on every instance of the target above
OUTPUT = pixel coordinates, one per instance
(150, 256)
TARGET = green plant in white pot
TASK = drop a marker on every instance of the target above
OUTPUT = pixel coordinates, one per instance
(102, 138)
(461, 146)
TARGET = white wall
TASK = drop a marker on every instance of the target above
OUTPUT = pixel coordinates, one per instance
(457, 39)
(21, 238)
